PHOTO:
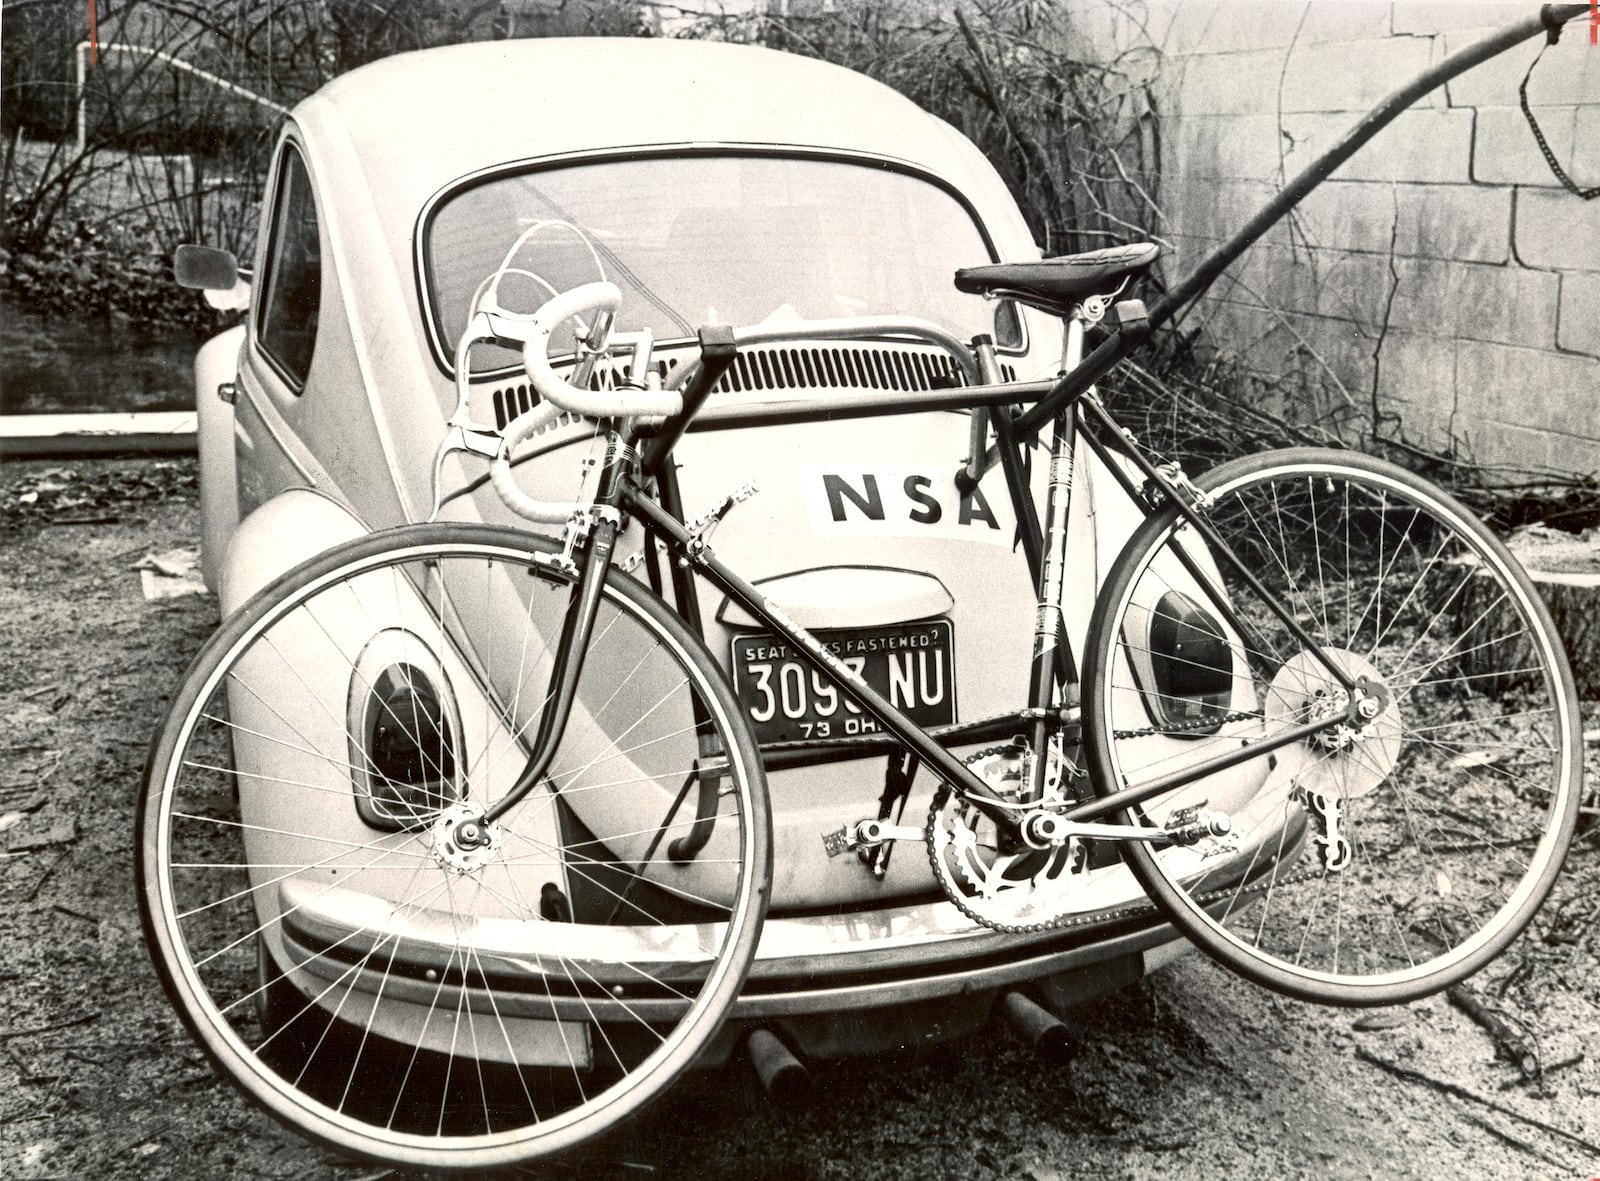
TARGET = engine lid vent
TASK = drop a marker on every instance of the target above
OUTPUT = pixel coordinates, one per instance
(846, 365)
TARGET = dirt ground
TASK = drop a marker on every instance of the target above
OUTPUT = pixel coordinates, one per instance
(1192, 1074)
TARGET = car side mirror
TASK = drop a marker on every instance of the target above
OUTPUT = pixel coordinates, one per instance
(204, 268)
(216, 272)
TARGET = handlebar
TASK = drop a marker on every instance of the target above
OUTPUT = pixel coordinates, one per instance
(556, 394)
(600, 298)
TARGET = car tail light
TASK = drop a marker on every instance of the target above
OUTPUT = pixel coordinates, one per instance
(404, 728)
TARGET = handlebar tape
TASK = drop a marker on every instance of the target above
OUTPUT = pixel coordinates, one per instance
(552, 387)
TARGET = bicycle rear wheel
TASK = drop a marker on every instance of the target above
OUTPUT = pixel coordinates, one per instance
(1371, 864)
(359, 975)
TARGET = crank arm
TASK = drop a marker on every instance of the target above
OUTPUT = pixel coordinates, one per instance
(1186, 826)
(864, 833)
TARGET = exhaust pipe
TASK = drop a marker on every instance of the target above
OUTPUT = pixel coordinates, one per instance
(1038, 1028)
(783, 1078)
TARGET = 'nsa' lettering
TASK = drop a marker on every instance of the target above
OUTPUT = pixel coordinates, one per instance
(916, 498)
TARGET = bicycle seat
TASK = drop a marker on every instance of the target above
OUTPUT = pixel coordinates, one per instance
(1054, 284)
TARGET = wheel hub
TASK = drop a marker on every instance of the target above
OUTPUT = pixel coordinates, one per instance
(462, 840)
(1352, 757)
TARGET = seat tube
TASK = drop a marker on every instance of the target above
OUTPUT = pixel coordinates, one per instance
(1049, 629)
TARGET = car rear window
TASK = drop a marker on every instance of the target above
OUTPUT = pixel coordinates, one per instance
(695, 240)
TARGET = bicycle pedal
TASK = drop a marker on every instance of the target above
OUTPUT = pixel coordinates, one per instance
(865, 833)
(835, 843)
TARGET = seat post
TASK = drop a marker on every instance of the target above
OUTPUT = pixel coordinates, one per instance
(1050, 632)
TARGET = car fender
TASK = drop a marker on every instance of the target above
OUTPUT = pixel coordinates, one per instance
(282, 533)
(216, 365)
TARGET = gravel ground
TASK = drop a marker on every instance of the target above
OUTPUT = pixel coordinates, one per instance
(1192, 1074)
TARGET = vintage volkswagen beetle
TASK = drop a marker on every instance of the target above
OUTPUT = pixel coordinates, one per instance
(720, 184)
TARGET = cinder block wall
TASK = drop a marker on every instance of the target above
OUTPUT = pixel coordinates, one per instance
(1441, 281)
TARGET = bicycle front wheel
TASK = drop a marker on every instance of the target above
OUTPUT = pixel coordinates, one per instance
(428, 1002)
(1373, 862)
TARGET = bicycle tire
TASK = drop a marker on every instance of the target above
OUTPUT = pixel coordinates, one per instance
(355, 976)
(1369, 865)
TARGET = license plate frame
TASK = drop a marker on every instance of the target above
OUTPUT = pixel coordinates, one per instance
(899, 660)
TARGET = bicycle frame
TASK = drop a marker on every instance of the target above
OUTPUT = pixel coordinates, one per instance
(622, 490)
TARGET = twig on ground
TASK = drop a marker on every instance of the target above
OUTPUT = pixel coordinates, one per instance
(1564, 1064)
(1516, 1142)
(1460, 1092)
(82, 1019)
(38, 883)
(1508, 1042)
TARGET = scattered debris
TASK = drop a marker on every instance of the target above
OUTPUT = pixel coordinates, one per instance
(171, 573)
(92, 495)
(1386, 1019)
(62, 832)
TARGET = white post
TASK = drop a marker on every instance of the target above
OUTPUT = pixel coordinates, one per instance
(81, 67)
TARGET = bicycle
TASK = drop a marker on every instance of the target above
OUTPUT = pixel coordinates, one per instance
(1349, 771)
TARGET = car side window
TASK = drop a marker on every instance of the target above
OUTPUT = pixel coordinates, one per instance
(287, 327)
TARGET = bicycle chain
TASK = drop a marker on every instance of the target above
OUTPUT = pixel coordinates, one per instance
(1588, 194)
(1238, 715)
(940, 796)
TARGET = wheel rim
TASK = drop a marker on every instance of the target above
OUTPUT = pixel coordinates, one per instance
(453, 1012)
(1380, 862)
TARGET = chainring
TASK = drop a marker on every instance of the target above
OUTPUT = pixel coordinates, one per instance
(1009, 889)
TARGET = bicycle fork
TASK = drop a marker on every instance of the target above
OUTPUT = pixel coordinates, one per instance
(590, 542)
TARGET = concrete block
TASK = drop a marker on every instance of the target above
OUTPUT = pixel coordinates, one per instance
(1350, 215)
(1466, 222)
(1214, 26)
(1216, 208)
(1462, 18)
(1237, 328)
(1417, 423)
(1567, 75)
(1243, 83)
(1579, 327)
(1223, 26)
(1237, 147)
(1180, 255)
(1505, 152)
(1508, 305)
(1319, 349)
(1583, 166)
(1420, 145)
(1543, 390)
(1341, 348)
(1416, 369)
(1326, 282)
(1093, 30)
(1315, 366)
(1516, 446)
(1354, 75)
(1344, 20)
(1555, 229)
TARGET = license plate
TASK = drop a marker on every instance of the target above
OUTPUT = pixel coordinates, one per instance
(786, 699)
